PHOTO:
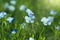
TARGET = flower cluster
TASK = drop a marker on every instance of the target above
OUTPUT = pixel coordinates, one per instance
(30, 17)
(47, 21)
(3, 15)
(10, 6)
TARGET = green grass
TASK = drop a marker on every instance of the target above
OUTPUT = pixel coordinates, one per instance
(36, 30)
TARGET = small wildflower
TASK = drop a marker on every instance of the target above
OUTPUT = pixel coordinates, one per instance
(47, 21)
(32, 21)
(43, 19)
(10, 19)
(13, 2)
(6, 5)
(22, 7)
(57, 27)
(29, 19)
(14, 31)
(11, 8)
(29, 11)
(52, 12)
(50, 18)
(31, 15)
(31, 38)
(3, 14)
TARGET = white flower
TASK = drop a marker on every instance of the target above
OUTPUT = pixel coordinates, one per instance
(31, 38)
(29, 11)
(10, 19)
(27, 19)
(30, 18)
(6, 5)
(33, 17)
(13, 2)
(57, 27)
(22, 7)
(3, 14)
(50, 18)
(43, 19)
(14, 31)
(11, 8)
(47, 21)
(52, 12)
(32, 21)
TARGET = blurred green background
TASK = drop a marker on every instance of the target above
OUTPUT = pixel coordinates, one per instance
(37, 30)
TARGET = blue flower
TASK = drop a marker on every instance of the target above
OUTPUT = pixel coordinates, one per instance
(32, 21)
(30, 15)
(10, 19)
(30, 18)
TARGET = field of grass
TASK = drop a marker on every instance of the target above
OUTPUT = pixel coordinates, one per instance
(36, 30)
